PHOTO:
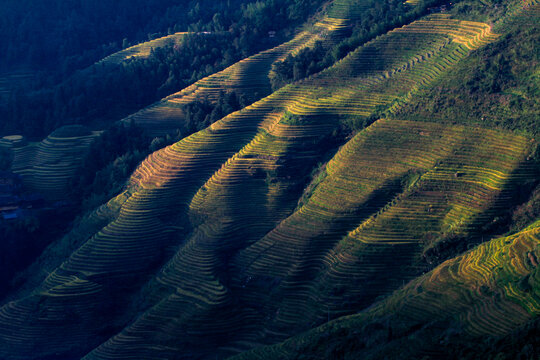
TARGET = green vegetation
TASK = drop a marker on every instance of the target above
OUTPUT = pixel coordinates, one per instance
(291, 119)
(301, 202)
(247, 79)
(107, 164)
(367, 19)
(527, 212)
(496, 86)
(467, 308)
(307, 62)
(221, 34)
(201, 114)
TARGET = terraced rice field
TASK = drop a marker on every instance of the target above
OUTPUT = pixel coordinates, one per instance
(348, 9)
(193, 274)
(223, 201)
(143, 50)
(48, 166)
(385, 223)
(249, 77)
(468, 283)
(488, 291)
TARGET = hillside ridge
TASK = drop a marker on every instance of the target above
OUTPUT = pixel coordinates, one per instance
(225, 241)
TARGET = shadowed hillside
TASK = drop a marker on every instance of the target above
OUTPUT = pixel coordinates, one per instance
(333, 197)
(48, 166)
(485, 293)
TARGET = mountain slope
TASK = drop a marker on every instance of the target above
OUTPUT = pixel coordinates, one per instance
(206, 298)
(211, 253)
(249, 78)
(496, 86)
(48, 166)
(143, 50)
(488, 291)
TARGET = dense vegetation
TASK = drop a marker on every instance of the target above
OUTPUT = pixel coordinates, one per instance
(497, 86)
(64, 36)
(382, 202)
(201, 114)
(100, 94)
(307, 62)
(377, 19)
(107, 164)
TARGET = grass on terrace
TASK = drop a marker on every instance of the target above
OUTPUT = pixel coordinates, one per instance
(229, 161)
(47, 167)
(488, 291)
(210, 167)
(386, 192)
(143, 50)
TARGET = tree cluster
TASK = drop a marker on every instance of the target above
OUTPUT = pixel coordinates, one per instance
(307, 62)
(201, 114)
(62, 36)
(101, 93)
(107, 164)
(379, 18)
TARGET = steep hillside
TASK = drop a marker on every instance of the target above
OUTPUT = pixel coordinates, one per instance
(144, 49)
(476, 298)
(496, 86)
(48, 166)
(220, 34)
(305, 206)
(249, 78)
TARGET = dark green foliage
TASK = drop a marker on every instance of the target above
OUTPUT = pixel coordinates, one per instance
(109, 161)
(379, 18)
(102, 93)
(494, 87)
(67, 35)
(106, 93)
(291, 119)
(505, 64)
(527, 212)
(307, 62)
(318, 174)
(201, 114)
(485, 11)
